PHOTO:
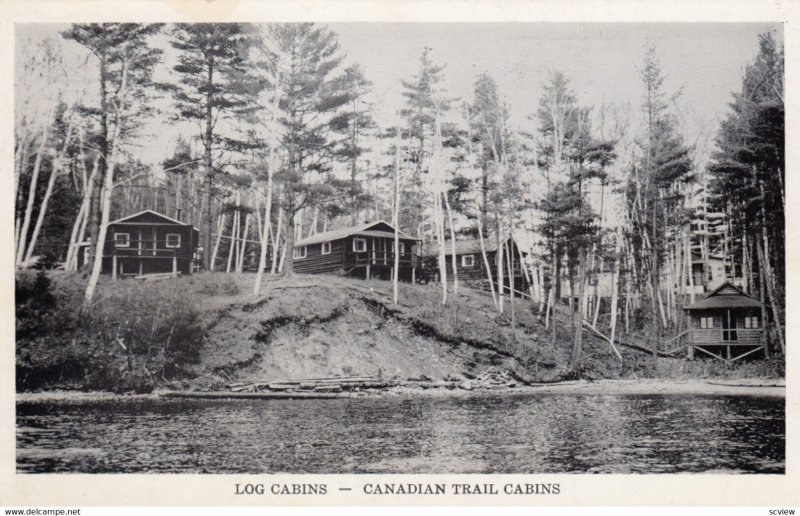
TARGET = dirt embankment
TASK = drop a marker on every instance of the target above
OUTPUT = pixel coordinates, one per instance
(313, 327)
(206, 331)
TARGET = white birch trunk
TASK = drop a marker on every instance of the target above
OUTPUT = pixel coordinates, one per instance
(264, 233)
(54, 173)
(276, 243)
(454, 258)
(37, 165)
(220, 228)
(395, 224)
(108, 187)
(486, 260)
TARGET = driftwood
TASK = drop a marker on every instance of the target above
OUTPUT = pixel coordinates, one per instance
(254, 395)
(330, 384)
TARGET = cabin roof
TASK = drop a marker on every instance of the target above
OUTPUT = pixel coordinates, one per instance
(131, 219)
(726, 295)
(471, 246)
(360, 230)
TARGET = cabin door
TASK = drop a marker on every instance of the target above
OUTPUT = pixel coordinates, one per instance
(728, 327)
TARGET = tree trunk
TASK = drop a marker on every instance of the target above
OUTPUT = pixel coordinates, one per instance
(220, 229)
(79, 227)
(511, 296)
(500, 275)
(288, 253)
(454, 258)
(774, 304)
(208, 141)
(37, 165)
(396, 224)
(103, 143)
(54, 173)
(276, 242)
(615, 289)
(577, 314)
(108, 187)
(265, 230)
(243, 244)
(486, 261)
(440, 236)
(234, 236)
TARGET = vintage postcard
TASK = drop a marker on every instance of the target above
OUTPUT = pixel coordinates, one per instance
(427, 253)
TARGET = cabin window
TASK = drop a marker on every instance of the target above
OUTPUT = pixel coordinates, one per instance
(122, 240)
(326, 248)
(359, 245)
(300, 252)
(751, 322)
(468, 260)
(706, 322)
(173, 240)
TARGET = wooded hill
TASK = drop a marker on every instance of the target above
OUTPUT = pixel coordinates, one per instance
(285, 146)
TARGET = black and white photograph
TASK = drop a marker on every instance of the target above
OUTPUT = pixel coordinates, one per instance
(325, 248)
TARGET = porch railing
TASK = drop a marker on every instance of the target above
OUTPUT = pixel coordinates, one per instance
(726, 336)
(380, 258)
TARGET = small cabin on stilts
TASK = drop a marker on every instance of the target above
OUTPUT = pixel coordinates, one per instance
(726, 325)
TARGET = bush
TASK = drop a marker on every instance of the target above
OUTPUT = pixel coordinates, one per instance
(217, 285)
(133, 337)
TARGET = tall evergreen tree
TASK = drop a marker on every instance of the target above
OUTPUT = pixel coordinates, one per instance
(355, 128)
(314, 97)
(749, 169)
(211, 65)
(425, 103)
(118, 47)
(657, 186)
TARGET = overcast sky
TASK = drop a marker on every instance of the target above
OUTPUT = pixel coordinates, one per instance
(602, 61)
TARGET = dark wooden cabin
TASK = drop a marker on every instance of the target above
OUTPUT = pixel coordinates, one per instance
(726, 324)
(365, 251)
(147, 243)
(469, 262)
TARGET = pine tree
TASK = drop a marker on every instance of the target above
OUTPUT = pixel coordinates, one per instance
(211, 66)
(313, 104)
(355, 125)
(425, 102)
(656, 189)
(121, 49)
(748, 171)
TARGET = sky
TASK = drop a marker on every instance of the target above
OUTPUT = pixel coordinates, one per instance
(705, 61)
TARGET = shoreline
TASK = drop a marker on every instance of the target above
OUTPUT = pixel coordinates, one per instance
(726, 387)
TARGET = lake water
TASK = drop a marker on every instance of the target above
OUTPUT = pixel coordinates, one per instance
(545, 433)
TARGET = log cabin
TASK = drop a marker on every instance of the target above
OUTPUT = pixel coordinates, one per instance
(726, 324)
(147, 243)
(470, 266)
(364, 251)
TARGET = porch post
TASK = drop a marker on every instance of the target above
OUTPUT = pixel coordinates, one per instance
(114, 266)
(174, 264)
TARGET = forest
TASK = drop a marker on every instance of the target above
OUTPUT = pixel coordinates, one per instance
(619, 221)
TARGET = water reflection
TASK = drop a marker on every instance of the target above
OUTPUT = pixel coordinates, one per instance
(485, 434)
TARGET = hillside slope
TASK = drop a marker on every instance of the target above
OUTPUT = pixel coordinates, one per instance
(208, 330)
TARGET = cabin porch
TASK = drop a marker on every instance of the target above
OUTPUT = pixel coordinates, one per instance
(726, 325)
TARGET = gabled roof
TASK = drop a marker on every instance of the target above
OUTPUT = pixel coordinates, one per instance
(471, 246)
(726, 295)
(130, 218)
(362, 229)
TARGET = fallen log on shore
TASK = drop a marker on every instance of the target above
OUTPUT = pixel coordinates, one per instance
(254, 395)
